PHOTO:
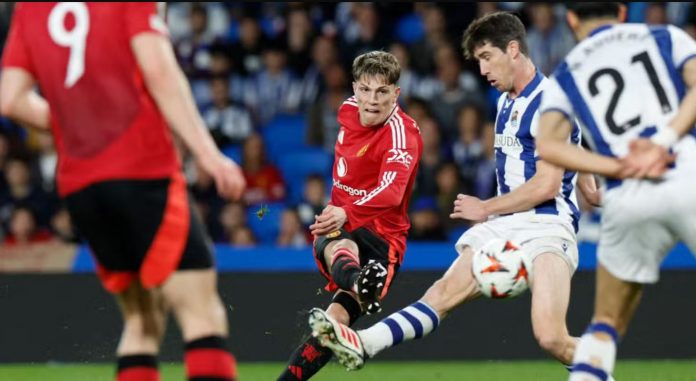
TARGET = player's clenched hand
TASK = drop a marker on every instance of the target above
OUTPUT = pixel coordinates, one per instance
(331, 219)
(469, 208)
(229, 179)
(645, 160)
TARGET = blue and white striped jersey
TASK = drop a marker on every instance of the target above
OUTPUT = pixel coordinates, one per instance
(623, 82)
(516, 126)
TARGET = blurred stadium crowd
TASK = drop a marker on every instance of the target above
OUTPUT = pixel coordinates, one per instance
(268, 79)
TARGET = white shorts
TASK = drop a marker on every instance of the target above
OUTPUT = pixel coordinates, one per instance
(537, 234)
(641, 222)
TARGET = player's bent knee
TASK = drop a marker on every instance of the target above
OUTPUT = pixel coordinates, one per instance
(341, 244)
(550, 341)
(441, 296)
(208, 319)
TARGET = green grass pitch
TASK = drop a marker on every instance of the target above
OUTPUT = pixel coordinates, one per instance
(682, 370)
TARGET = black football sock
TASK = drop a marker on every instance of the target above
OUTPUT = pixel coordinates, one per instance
(306, 361)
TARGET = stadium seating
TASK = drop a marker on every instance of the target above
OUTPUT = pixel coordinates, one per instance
(265, 227)
(234, 152)
(297, 165)
(284, 134)
(410, 29)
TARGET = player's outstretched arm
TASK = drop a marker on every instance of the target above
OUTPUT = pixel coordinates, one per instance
(649, 157)
(686, 116)
(588, 188)
(553, 146)
(19, 101)
(543, 186)
(167, 84)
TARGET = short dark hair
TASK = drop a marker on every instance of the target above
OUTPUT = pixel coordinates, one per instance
(591, 10)
(498, 28)
(377, 63)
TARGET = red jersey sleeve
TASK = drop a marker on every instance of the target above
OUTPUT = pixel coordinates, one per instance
(144, 17)
(401, 156)
(16, 53)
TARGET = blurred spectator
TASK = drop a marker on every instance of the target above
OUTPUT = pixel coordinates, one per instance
(486, 184)
(418, 109)
(23, 229)
(193, 49)
(47, 160)
(264, 181)
(292, 233)
(346, 23)
(449, 185)
(411, 84)
(221, 65)
(323, 114)
(369, 37)
(298, 39)
(179, 19)
(5, 17)
(467, 150)
(426, 223)
(423, 51)
(62, 226)
(690, 22)
(656, 14)
(228, 123)
(486, 7)
(324, 54)
(431, 158)
(21, 190)
(314, 199)
(243, 237)
(455, 92)
(548, 39)
(232, 217)
(246, 53)
(4, 156)
(274, 89)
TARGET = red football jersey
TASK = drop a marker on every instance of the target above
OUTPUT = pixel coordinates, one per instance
(105, 123)
(374, 171)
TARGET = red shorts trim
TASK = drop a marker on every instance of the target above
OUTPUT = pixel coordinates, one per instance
(163, 257)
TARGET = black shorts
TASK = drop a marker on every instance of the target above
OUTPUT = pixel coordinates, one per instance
(370, 247)
(143, 229)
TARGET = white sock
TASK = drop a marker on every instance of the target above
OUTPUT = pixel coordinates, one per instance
(595, 355)
(412, 322)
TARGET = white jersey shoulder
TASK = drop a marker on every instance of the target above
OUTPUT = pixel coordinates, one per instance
(622, 82)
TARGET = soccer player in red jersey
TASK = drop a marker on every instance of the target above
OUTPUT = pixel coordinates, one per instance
(360, 237)
(110, 90)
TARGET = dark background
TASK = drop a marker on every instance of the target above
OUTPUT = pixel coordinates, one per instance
(71, 318)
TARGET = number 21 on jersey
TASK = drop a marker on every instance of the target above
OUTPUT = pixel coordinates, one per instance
(75, 39)
(643, 59)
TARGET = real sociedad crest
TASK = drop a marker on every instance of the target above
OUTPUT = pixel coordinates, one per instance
(513, 119)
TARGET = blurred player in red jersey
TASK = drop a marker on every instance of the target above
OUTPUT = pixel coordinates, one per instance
(360, 237)
(109, 86)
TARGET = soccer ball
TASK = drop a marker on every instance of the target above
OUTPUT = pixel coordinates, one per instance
(502, 269)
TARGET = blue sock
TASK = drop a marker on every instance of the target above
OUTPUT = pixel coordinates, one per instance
(412, 322)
